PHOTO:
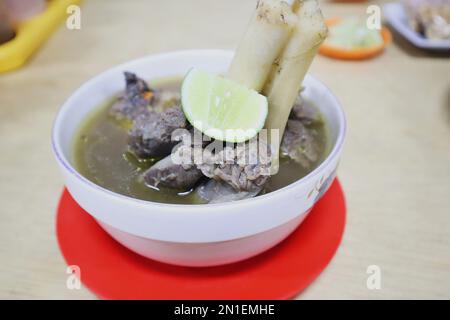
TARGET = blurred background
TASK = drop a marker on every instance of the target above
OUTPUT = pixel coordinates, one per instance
(396, 164)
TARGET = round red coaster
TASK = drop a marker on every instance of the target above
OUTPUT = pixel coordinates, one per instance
(113, 272)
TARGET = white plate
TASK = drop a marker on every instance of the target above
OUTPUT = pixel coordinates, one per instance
(396, 16)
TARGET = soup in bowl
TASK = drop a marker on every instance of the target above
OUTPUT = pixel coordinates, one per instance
(190, 233)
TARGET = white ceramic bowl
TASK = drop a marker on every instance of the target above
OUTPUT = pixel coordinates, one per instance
(192, 235)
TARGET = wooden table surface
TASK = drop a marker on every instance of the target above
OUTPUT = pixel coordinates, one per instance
(395, 168)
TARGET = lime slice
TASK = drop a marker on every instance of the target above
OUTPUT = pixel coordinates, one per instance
(221, 108)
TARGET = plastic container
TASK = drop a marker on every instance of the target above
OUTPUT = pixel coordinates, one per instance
(31, 34)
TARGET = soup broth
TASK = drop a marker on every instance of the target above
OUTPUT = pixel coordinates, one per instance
(101, 154)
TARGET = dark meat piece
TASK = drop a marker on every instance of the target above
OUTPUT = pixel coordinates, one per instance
(166, 173)
(137, 90)
(245, 167)
(301, 143)
(213, 191)
(304, 112)
(151, 135)
(240, 171)
(155, 115)
(135, 101)
(177, 170)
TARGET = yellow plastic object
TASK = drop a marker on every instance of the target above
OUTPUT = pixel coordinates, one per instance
(32, 33)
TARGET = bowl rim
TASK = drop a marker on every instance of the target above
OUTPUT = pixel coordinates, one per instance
(62, 159)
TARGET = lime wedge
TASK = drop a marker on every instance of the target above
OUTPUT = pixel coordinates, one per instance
(221, 108)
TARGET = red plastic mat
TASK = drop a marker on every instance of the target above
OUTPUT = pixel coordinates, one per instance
(113, 272)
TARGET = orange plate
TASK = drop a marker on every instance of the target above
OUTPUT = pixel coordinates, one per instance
(354, 54)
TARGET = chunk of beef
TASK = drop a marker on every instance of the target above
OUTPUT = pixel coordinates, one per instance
(178, 170)
(166, 173)
(240, 171)
(214, 191)
(151, 133)
(135, 101)
(245, 167)
(301, 143)
(304, 112)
